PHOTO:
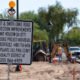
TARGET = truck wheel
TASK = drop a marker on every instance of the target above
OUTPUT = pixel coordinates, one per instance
(40, 57)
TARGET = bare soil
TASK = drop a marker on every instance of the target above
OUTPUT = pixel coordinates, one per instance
(42, 71)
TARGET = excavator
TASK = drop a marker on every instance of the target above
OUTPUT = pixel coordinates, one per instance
(65, 48)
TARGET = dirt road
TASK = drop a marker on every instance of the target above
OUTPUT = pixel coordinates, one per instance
(41, 71)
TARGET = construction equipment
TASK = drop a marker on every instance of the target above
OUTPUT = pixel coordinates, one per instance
(40, 50)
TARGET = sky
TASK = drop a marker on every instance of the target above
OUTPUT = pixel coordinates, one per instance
(34, 5)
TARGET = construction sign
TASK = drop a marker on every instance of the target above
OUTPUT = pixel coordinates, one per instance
(16, 42)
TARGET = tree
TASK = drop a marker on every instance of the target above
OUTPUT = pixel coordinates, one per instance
(73, 36)
(30, 15)
(59, 18)
(73, 33)
(38, 34)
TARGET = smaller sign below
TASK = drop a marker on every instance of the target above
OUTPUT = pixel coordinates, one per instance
(11, 11)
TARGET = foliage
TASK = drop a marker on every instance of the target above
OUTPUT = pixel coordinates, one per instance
(59, 18)
(38, 34)
(73, 36)
(30, 15)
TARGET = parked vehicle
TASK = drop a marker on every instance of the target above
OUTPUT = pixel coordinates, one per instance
(75, 51)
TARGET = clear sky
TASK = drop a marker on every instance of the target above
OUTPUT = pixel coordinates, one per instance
(34, 5)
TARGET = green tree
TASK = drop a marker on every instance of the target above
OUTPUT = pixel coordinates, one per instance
(38, 34)
(59, 18)
(73, 33)
(73, 36)
(30, 15)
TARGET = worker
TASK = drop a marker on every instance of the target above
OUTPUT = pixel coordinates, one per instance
(59, 52)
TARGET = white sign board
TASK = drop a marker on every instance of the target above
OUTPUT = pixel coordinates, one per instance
(15, 42)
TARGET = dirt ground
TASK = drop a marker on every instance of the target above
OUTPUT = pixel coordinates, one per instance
(42, 71)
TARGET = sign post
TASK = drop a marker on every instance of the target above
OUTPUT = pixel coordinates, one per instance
(9, 71)
(11, 12)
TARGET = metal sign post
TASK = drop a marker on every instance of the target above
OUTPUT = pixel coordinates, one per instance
(11, 13)
(8, 71)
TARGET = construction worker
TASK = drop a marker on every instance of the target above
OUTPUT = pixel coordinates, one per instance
(59, 52)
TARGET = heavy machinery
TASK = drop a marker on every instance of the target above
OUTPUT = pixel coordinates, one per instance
(40, 50)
